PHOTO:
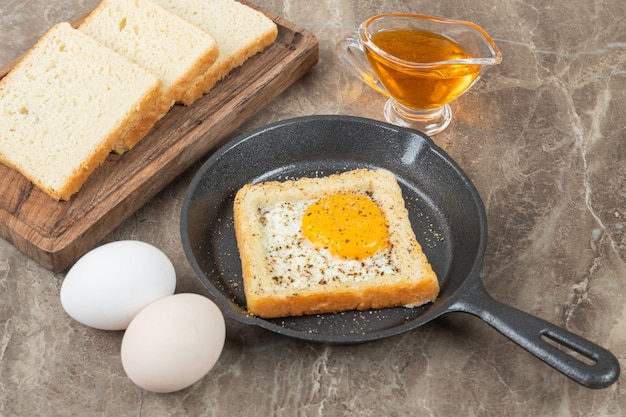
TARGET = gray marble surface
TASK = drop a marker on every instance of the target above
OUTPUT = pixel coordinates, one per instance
(542, 137)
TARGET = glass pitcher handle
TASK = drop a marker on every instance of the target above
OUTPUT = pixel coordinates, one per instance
(350, 51)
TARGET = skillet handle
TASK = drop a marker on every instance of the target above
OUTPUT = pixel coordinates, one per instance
(581, 360)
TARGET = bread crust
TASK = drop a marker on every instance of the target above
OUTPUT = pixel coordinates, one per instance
(148, 112)
(196, 72)
(220, 70)
(413, 284)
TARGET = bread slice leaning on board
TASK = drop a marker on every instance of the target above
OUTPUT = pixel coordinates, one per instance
(176, 50)
(72, 99)
(284, 275)
(64, 106)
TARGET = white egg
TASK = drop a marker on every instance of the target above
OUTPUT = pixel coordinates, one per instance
(172, 343)
(109, 285)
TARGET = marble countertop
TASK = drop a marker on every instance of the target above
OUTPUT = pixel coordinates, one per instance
(541, 136)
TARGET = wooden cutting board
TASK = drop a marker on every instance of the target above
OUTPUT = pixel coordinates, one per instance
(56, 234)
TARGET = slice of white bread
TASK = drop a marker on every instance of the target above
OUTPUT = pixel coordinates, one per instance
(65, 104)
(175, 49)
(284, 278)
(240, 32)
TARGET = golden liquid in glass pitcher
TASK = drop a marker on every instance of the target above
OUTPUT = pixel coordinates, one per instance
(427, 87)
(420, 63)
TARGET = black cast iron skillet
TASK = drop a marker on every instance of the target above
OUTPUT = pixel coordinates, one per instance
(445, 210)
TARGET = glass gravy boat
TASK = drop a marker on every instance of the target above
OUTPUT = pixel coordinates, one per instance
(420, 63)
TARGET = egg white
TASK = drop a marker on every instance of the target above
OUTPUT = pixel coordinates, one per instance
(295, 263)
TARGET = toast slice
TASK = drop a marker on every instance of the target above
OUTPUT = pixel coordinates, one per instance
(173, 48)
(285, 275)
(240, 32)
(64, 106)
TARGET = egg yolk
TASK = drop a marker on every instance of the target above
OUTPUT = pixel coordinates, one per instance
(350, 226)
